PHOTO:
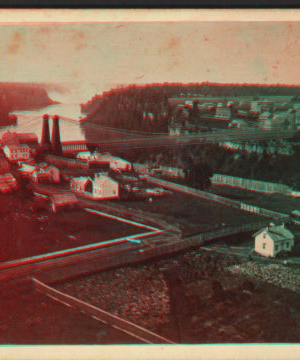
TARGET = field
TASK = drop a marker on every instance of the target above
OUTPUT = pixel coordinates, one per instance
(25, 233)
(193, 214)
(36, 319)
(194, 299)
(276, 202)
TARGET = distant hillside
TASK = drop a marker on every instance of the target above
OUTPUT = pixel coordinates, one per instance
(147, 108)
(24, 96)
(21, 96)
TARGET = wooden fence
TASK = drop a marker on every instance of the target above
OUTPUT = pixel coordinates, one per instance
(99, 314)
(250, 184)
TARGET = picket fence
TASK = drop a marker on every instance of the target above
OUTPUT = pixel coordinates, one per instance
(249, 184)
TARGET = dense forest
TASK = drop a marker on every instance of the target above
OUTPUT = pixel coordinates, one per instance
(147, 108)
(132, 108)
(21, 96)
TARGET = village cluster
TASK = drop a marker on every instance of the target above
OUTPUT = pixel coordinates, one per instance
(58, 181)
(242, 114)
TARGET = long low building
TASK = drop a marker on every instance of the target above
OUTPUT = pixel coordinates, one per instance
(55, 199)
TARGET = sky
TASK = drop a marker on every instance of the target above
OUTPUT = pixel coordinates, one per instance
(91, 57)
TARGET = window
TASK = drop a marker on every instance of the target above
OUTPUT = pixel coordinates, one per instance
(287, 245)
(276, 247)
(264, 245)
(265, 235)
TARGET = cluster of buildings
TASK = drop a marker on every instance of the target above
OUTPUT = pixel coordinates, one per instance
(14, 149)
(115, 163)
(225, 112)
(273, 147)
(263, 114)
(267, 115)
(91, 174)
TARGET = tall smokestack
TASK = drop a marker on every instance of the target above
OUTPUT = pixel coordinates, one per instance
(45, 142)
(55, 139)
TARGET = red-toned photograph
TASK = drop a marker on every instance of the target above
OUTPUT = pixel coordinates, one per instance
(149, 178)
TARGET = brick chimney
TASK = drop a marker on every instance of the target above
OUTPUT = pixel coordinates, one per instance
(45, 141)
(55, 139)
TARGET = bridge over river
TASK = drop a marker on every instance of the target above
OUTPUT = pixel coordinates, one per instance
(79, 135)
(106, 139)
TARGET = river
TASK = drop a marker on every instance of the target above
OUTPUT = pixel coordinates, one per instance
(31, 121)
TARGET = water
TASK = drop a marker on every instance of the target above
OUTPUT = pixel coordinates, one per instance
(31, 121)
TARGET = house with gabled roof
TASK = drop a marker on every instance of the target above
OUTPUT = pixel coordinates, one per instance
(41, 173)
(101, 187)
(273, 239)
(105, 187)
(80, 184)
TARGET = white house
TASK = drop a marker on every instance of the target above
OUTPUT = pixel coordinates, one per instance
(17, 152)
(273, 239)
(102, 187)
(105, 187)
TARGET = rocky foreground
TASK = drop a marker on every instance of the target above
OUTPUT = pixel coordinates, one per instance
(195, 298)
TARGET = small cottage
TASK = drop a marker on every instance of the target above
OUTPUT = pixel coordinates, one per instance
(272, 240)
(101, 187)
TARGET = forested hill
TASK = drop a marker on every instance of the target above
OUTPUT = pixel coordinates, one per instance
(131, 108)
(21, 96)
(24, 96)
(146, 108)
